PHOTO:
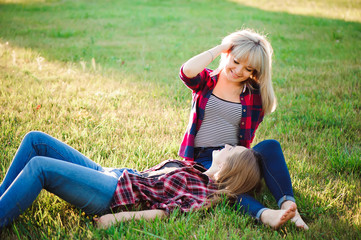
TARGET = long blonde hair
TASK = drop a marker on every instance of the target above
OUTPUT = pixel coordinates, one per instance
(255, 49)
(240, 173)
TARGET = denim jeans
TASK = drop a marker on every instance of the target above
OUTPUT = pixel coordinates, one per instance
(274, 171)
(43, 162)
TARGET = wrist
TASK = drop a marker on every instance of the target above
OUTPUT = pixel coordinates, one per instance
(215, 51)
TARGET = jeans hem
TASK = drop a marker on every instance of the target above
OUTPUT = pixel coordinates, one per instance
(259, 213)
(285, 198)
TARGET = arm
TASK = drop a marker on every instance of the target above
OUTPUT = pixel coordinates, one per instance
(107, 220)
(197, 63)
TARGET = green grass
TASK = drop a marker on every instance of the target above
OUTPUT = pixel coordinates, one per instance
(127, 107)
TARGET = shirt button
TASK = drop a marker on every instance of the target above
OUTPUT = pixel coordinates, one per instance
(242, 123)
(240, 136)
(242, 99)
(244, 110)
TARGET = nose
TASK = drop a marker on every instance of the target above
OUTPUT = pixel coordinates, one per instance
(239, 69)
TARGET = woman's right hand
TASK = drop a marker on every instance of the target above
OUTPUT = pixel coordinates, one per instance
(196, 64)
(226, 47)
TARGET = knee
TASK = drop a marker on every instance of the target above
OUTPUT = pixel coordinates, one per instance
(270, 151)
(40, 164)
(37, 169)
(33, 135)
(272, 144)
(36, 163)
(267, 145)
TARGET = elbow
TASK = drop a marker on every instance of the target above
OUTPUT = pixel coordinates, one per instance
(188, 71)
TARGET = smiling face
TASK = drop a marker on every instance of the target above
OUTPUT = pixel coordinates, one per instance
(236, 70)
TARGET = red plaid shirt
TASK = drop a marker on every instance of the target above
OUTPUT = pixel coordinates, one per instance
(202, 87)
(185, 188)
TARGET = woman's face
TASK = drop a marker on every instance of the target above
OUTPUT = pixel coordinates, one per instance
(237, 71)
(220, 156)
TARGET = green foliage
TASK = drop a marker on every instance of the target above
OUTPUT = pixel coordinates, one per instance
(102, 77)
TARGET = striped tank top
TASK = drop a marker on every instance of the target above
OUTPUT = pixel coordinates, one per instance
(220, 125)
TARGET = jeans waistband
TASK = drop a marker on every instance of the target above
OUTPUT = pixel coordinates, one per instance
(205, 148)
(202, 149)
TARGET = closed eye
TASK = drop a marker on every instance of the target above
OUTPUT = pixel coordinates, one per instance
(230, 147)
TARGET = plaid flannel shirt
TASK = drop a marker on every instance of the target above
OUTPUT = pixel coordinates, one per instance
(185, 188)
(202, 87)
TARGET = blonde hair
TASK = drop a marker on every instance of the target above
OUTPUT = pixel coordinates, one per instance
(254, 49)
(240, 173)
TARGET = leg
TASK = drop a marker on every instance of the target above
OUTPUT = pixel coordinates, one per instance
(247, 204)
(275, 171)
(86, 188)
(277, 177)
(270, 217)
(41, 144)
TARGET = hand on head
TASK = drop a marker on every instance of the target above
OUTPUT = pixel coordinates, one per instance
(226, 46)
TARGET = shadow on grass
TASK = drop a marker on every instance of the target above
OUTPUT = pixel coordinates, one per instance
(123, 35)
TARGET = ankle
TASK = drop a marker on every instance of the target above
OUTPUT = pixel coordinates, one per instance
(286, 204)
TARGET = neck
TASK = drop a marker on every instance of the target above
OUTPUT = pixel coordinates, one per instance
(228, 90)
(210, 174)
(223, 80)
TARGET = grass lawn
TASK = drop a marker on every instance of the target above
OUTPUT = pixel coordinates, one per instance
(102, 76)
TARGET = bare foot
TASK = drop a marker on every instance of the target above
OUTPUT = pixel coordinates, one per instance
(276, 218)
(297, 219)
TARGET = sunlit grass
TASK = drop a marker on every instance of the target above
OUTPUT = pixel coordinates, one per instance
(62, 98)
(102, 77)
(348, 10)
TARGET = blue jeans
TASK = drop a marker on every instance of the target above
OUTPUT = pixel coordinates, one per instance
(43, 162)
(274, 171)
